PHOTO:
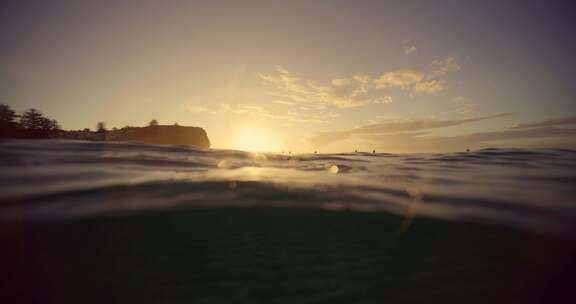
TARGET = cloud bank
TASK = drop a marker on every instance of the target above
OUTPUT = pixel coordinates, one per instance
(394, 127)
(360, 90)
(414, 135)
(307, 101)
(548, 123)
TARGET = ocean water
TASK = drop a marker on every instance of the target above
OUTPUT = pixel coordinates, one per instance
(106, 222)
(57, 179)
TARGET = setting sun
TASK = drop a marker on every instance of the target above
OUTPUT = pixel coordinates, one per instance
(255, 139)
(334, 151)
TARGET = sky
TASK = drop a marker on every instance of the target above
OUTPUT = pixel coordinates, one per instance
(302, 76)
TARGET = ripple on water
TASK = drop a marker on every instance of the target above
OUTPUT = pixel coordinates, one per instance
(530, 189)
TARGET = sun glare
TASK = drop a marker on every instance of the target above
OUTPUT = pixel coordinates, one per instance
(255, 139)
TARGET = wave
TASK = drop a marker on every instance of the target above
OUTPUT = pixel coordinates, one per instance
(62, 179)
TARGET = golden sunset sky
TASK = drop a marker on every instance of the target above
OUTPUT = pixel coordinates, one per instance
(332, 76)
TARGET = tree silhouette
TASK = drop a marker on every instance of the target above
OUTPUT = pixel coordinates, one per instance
(32, 120)
(101, 127)
(153, 123)
(8, 124)
(101, 130)
(7, 115)
(50, 125)
(36, 125)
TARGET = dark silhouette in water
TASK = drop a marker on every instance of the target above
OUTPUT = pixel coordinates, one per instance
(373, 151)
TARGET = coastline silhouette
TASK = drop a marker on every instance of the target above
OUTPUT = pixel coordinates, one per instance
(33, 124)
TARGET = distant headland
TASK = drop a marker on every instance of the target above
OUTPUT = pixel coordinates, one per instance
(163, 135)
(33, 124)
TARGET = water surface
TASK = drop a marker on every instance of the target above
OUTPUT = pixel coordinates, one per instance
(102, 222)
(54, 179)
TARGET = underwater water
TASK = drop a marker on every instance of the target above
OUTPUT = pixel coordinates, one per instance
(125, 222)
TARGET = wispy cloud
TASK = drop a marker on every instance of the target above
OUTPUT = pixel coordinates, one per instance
(394, 127)
(422, 142)
(301, 114)
(284, 102)
(563, 121)
(423, 81)
(464, 105)
(341, 82)
(403, 78)
(442, 67)
(384, 100)
(290, 115)
(199, 109)
(360, 89)
(340, 93)
(429, 87)
(414, 135)
(409, 49)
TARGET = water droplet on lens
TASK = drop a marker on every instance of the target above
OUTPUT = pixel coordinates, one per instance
(333, 169)
(223, 164)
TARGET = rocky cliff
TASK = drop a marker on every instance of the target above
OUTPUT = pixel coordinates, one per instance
(163, 135)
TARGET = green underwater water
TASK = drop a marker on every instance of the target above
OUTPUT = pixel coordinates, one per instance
(279, 255)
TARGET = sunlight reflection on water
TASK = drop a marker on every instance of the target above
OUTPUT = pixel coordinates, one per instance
(59, 179)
